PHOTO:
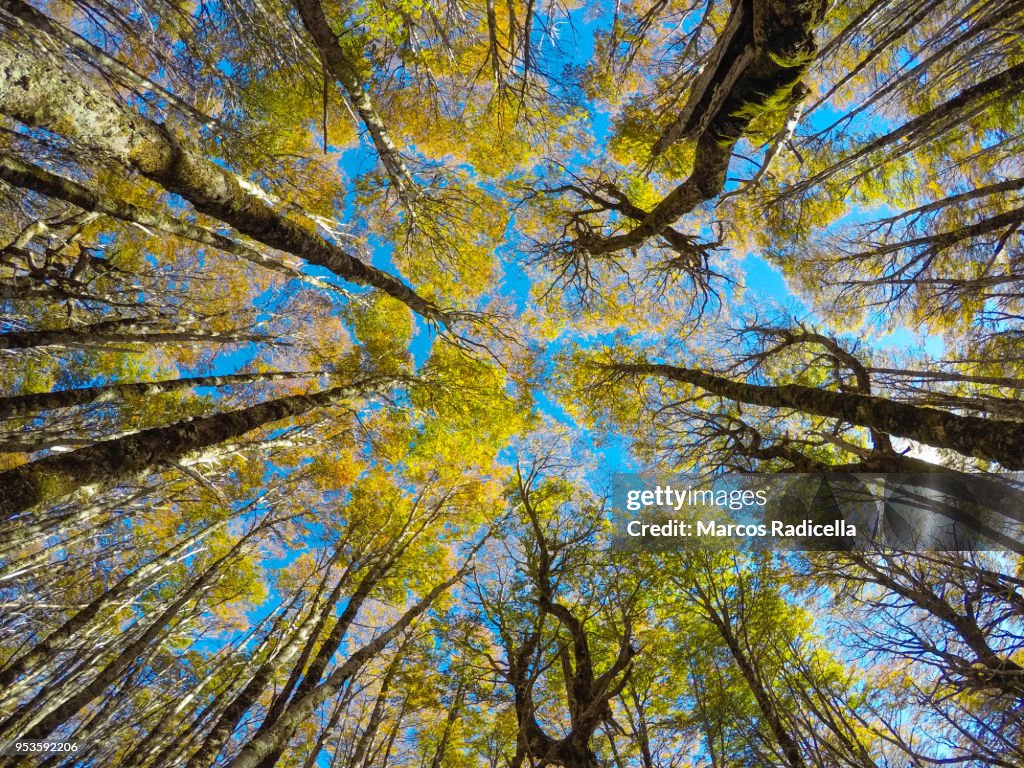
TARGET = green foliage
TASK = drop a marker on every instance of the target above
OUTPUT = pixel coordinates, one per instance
(398, 552)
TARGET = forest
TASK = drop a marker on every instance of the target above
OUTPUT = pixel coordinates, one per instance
(325, 325)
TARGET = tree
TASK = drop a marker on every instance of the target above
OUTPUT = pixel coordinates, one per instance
(552, 557)
(104, 463)
(757, 65)
(324, 324)
(36, 90)
(988, 439)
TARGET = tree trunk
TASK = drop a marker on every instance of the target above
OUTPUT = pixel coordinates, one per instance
(121, 332)
(759, 64)
(28, 661)
(361, 755)
(327, 649)
(177, 747)
(36, 90)
(164, 730)
(43, 726)
(454, 713)
(936, 121)
(17, 534)
(121, 72)
(300, 709)
(988, 439)
(337, 61)
(339, 708)
(998, 381)
(15, 567)
(105, 463)
(27, 176)
(790, 749)
(24, 405)
(229, 718)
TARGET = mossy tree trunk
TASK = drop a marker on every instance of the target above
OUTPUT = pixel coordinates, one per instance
(988, 439)
(105, 463)
(24, 405)
(36, 89)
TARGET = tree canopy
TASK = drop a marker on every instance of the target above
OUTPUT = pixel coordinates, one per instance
(324, 325)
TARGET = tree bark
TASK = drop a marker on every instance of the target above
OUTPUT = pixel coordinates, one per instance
(944, 117)
(36, 90)
(760, 62)
(28, 176)
(48, 645)
(232, 714)
(339, 64)
(121, 72)
(23, 405)
(105, 463)
(121, 332)
(301, 708)
(45, 725)
(988, 439)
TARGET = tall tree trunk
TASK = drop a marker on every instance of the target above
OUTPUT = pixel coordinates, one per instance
(312, 676)
(940, 375)
(121, 72)
(233, 713)
(988, 439)
(769, 711)
(345, 70)
(454, 712)
(339, 708)
(15, 567)
(40, 727)
(36, 90)
(108, 598)
(361, 754)
(23, 405)
(933, 243)
(16, 534)
(122, 332)
(86, 734)
(105, 463)
(965, 105)
(177, 748)
(298, 710)
(758, 65)
(27, 176)
(164, 730)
